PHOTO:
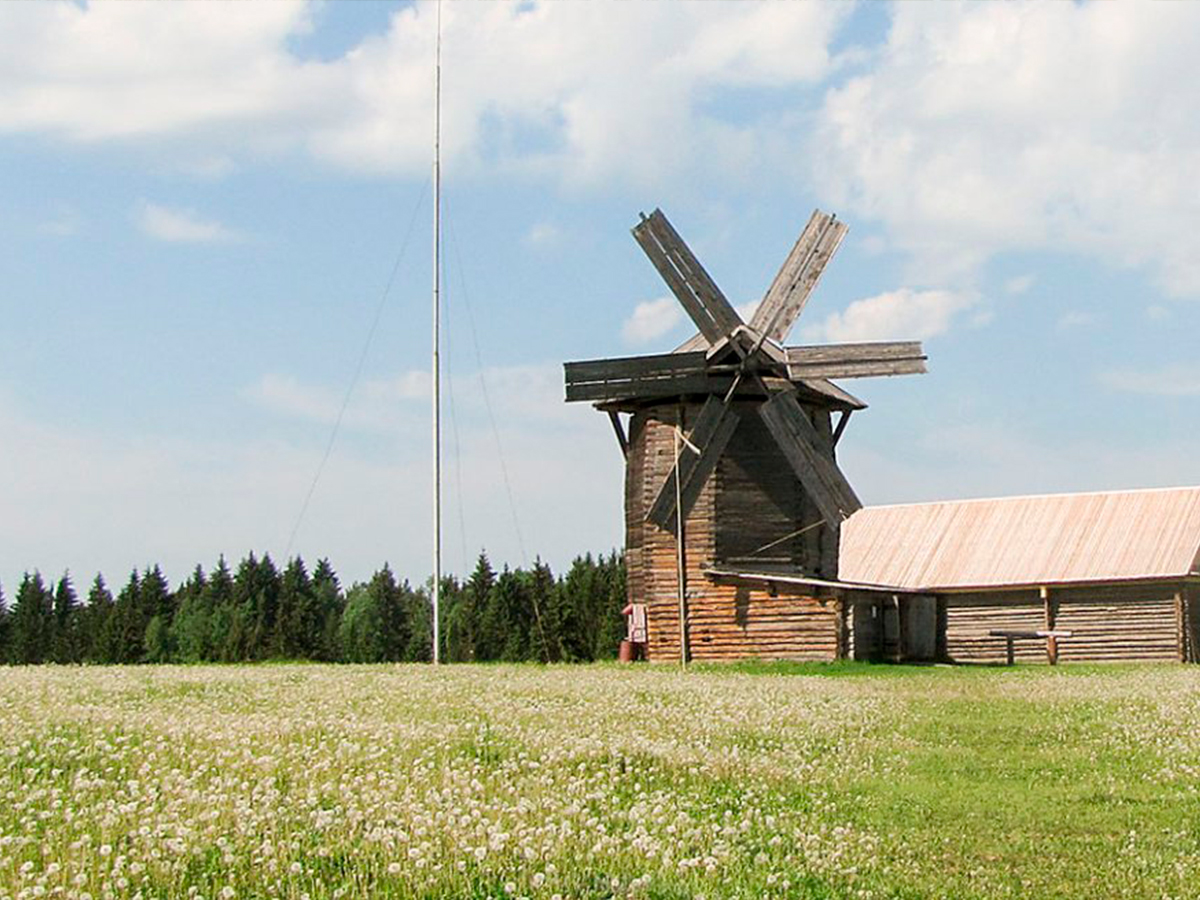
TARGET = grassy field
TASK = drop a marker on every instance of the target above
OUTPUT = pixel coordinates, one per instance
(606, 781)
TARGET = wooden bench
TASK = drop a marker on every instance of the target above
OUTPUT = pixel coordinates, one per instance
(1011, 635)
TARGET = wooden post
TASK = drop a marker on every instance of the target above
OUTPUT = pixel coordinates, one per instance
(1180, 628)
(901, 629)
(840, 606)
(1051, 640)
(679, 551)
(1009, 655)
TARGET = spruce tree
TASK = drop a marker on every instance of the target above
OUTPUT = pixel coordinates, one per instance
(463, 622)
(192, 625)
(157, 610)
(330, 604)
(4, 629)
(32, 621)
(298, 623)
(129, 623)
(99, 626)
(221, 601)
(66, 640)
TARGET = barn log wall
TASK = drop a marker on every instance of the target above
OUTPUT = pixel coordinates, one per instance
(1109, 623)
(725, 621)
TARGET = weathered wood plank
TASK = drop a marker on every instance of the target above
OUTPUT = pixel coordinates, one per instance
(623, 367)
(798, 276)
(801, 445)
(711, 433)
(687, 279)
(859, 360)
(649, 388)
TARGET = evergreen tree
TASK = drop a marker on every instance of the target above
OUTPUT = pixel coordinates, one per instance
(418, 613)
(191, 628)
(99, 631)
(32, 621)
(156, 606)
(545, 642)
(65, 640)
(374, 627)
(507, 622)
(4, 629)
(221, 600)
(129, 623)
(463, 619)
(329, 604)
(256, 603)
(298, 624)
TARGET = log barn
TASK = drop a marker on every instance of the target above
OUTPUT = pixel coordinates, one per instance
(743, 538)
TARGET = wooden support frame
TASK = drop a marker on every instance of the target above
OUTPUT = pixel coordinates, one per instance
(1050, 613)
(619, 430)
(1181, 643)
(843, 421)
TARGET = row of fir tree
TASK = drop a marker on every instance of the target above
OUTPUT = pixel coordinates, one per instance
(258, 612)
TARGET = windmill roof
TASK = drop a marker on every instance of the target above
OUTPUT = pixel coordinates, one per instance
(1025, 541)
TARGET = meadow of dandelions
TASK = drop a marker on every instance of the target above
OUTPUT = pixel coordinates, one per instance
(508, 782)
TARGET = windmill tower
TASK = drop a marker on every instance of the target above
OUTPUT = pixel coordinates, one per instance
(737, 432)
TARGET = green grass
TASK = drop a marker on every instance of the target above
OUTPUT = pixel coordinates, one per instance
(759, 779)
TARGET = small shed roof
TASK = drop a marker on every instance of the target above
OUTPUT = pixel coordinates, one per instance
(1025, 541)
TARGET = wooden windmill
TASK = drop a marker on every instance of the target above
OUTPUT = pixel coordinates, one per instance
(756, 474)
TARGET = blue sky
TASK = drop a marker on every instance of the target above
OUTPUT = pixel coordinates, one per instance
(201, 205)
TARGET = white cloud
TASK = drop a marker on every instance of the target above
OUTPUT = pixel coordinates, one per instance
(179, 226)
(976, 132)
(567, 88)
(1179, 380)
(652, 319)
(896, 315)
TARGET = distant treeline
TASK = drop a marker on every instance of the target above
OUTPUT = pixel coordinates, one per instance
(258, 612)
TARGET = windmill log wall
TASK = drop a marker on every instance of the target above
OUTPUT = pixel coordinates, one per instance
(752, 500)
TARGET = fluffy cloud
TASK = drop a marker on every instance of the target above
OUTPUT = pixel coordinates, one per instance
(896, 315)
(568, 88)
(981, 128)
(179, 226)
(651, 320)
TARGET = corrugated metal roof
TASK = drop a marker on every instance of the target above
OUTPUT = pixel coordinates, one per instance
(1014, 541)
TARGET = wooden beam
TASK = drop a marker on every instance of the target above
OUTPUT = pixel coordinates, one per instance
(1180, 628)
(622, 439)
(843, 421)
(1049, 615)
(802, 447)
(648, 388)
(711, 432)
(856, 360)
(789, 292)
(691, 285)
(623, 367)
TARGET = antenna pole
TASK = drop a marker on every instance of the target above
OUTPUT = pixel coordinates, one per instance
(437, 324)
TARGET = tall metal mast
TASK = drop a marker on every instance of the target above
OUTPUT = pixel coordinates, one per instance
(437, 325)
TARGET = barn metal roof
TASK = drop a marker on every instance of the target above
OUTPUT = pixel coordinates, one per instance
(1025, 541)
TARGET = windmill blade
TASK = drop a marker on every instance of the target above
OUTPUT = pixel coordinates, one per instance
(661, 375)
(714, 427)
(856, 360)
(798, 276)
(811, 461)
(686, 278)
